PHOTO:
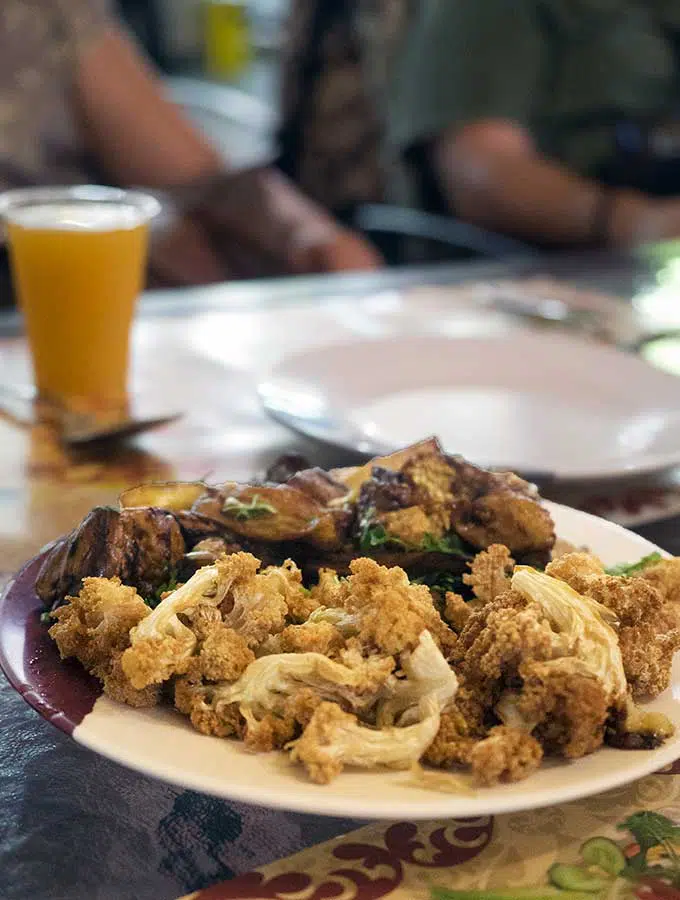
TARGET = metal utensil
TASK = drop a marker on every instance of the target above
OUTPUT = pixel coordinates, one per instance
(76, 428)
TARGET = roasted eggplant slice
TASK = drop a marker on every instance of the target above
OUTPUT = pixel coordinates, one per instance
(270, 513)
(142, 546)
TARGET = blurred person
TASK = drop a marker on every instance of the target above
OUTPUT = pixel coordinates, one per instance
(79, 103)
(556, 121)
(551, 120)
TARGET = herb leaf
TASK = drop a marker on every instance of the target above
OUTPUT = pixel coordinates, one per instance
(374, 536)
(443, 582)
(449, 543)
(252, 509)
(650, 829)
(626, 569)
(156, 597)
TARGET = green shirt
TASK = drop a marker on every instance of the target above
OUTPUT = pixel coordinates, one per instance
(565, 69)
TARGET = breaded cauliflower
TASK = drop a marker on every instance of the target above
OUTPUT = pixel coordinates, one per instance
(649, 625)
(334, 739)
(648, 657)
(392, 612)
(95, 628)
(665, 577)
(118, 688)
(224, 654)
(575, 567)
(507, 754)
(508, 638)
(630, 599)
(301, 602)
(457, 611)
(490, 572)
(562, 704)
(96, 623)
(328, 591)
(311, 637)
(453, 743)
(161, 644)
(259, 603)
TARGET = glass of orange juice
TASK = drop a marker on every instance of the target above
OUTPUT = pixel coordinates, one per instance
(78, 258)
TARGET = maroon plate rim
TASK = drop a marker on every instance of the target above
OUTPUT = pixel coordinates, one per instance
(61, 691)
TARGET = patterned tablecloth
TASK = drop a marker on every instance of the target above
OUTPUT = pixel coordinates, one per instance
(405, 860)
(74, 826)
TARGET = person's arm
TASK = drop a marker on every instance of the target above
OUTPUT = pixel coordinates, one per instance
(139, 137)
(493, 176)
(467, 90)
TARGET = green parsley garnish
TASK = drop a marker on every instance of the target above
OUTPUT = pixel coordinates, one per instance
(442, 582)
(374, 536)
(626, 569)
(449, 543)
(156, 597)
(252, 509)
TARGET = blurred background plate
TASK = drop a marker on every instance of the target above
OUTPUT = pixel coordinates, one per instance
(592, 412)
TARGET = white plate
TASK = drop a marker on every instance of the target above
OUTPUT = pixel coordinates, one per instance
(160, 742)
(528, 401)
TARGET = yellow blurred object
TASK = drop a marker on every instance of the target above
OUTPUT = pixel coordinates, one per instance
(228, 50)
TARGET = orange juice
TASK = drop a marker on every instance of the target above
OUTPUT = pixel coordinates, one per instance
(78, 268)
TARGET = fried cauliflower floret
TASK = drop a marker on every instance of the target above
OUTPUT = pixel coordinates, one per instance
(647, 658)
(271, 732)
(161, 645)
(456, 611)
(392, 612)
(96, 624)
(575, 568)
(408, 525)
(227, 722)
(312, 637)
(118, 688)
(224, 654)
(490, 573)
(565, 707)
(453, 744)
(260, 603)
(301, 602)
(202, 619)
(192, 698)
(507, 754)
(334, 738)
(632, 600)
(302, 704)
(665, 577)
(507, 637)
(476, 622)
(329, 590)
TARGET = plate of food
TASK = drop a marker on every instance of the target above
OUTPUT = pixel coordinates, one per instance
(416, 637)
(521, 401)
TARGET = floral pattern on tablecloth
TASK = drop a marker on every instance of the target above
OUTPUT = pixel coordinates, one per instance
(405, 859)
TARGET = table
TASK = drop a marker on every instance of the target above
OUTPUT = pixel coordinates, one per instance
(74, 825)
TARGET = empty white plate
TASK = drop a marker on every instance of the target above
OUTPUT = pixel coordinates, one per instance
(539, 403)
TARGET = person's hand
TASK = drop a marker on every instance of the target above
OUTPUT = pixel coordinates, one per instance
(340, 251)
(182, 254)
(639, 219)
